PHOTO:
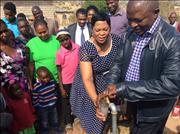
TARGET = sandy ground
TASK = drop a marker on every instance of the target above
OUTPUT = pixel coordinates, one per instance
(172, 127)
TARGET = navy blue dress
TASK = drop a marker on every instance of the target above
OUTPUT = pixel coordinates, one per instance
(81, 104)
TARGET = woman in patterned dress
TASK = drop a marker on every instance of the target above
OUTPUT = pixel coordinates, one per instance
(96, 57)
(12, 59)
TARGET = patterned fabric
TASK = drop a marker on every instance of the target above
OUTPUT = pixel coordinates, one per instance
(81, 104)
(44, 95)
(13, 68)
(132, 73)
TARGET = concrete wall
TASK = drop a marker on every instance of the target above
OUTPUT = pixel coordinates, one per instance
(51, 9)
(59, 8)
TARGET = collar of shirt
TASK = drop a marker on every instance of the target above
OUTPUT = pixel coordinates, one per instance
(78, 34)
(85, 26)
(175, 23)
(154, 26)
(120, 13)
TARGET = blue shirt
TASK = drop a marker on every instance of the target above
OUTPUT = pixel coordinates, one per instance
(13, 27)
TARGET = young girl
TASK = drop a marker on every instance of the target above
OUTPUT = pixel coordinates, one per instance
(20, 106)
(66, 61)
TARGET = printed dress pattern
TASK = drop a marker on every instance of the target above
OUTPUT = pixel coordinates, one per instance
(13, 68)
(81, 105)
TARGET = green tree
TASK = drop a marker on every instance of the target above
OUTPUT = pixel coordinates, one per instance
(100, 4)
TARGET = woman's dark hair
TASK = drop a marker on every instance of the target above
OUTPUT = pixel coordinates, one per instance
(100, 16)
(38, 22)
(92, 7)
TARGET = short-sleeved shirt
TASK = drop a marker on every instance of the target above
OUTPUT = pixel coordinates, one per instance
(43, 53)
(68, 60)
(13, 27)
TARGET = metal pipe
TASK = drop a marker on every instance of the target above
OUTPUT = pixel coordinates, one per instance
(113, 108)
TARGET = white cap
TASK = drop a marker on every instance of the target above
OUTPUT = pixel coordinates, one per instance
(62, 31)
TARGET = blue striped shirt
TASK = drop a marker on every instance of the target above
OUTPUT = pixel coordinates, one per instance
(44, 95)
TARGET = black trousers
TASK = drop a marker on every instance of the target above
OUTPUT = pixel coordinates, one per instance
(149, 128)
(66, 107)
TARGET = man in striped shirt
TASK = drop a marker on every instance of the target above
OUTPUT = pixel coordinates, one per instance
(44, 100)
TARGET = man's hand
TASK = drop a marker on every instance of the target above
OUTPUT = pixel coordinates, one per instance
(110, 90)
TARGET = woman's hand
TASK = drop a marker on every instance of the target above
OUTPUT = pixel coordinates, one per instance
(110, 91)
(99, 114)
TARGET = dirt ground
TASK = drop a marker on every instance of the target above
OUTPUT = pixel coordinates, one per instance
(172, 127)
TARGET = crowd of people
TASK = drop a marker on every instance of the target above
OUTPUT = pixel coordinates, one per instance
(52, 76)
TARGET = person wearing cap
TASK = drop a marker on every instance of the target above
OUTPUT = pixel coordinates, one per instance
(67, 62)
(10, 19)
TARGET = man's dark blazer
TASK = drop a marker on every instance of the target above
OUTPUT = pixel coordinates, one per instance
(72, 30)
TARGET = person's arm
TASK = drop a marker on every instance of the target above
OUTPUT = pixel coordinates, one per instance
(87, 78)
(30, 74)
(30, 68)
(165, 86)
(63, 92)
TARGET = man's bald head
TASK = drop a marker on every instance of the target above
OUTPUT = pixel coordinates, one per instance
(142, 14)
(146, 5)
(37, 12)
